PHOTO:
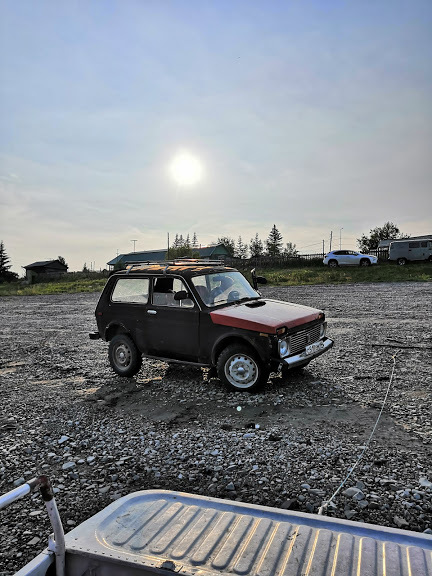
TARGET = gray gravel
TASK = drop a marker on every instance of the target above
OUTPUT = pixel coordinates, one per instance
(98, 437)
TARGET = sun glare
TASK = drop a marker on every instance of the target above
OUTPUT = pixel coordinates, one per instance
(186, 169)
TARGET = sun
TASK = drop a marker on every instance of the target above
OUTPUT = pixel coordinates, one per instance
(186, 169)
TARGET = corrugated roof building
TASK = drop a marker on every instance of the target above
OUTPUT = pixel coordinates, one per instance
(216, 252)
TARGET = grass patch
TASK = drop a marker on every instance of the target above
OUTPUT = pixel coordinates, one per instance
(414, 272)
(61, 287)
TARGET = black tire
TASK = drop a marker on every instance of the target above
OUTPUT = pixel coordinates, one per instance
(124, 356)
(333, 263)
(365, 262)
(402, 261)
(240, 369)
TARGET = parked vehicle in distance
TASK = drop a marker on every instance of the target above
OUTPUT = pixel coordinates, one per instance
(348, 258)
(404, 251)
(205, 314)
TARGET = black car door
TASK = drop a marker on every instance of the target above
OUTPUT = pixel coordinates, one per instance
(172, 326)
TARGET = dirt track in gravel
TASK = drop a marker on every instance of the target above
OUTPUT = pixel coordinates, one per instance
(52, 375)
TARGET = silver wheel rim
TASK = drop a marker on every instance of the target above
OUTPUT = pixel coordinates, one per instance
(241, 371)
(122, 355)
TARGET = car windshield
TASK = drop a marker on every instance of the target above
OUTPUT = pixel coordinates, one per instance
(223, 288)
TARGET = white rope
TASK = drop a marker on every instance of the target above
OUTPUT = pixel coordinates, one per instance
(325, 504)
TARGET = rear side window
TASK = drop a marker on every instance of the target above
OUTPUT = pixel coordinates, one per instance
(424, 244)
(414, 244)
(131, 290)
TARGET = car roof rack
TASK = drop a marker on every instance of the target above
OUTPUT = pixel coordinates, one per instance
(193, 262)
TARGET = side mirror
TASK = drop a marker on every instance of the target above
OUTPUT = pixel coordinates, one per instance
(257, 279)
(181, 295)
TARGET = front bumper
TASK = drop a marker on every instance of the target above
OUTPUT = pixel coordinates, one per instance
(293, 361)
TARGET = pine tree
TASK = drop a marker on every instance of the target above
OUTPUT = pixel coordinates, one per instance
(5, 274)
(195, 241)
(187, 242)
(241, 249)
(290, 250)
(256, 247)
(274, 242)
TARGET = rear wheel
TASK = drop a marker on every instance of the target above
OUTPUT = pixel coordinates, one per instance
(364, 262)
(401, 261)
(240, 369)
(333, 263)
(124, 356)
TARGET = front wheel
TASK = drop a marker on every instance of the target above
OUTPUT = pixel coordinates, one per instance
(401, 261)
(124, 356)
(240, 369)
(364, 262)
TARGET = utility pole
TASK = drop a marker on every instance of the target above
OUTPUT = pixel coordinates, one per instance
(323, 249)
(340, 238)
(134, 241)
(168, 247)
(331, 236)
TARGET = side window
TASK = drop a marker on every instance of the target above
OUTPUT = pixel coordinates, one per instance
(131, 290)
(414, 244)
(164, 291)
(424, 244)
(179, 286)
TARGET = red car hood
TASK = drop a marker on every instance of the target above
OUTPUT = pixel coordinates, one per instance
(265, 315)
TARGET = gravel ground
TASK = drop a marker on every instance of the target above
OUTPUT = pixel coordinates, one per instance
(64, 413)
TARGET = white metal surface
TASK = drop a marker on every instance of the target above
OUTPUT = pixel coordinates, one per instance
(163, 532)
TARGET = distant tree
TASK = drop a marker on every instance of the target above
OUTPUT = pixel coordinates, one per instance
(181, 252)
(387, 232)
(84, 268)
(5, 274)
(290, 250)
(228, 242)
(182, 248)
(241, 249)
(256, 247)
(274, 242)
(61, 260)
(195, 241)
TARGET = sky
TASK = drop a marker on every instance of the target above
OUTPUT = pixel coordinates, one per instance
(313, 115)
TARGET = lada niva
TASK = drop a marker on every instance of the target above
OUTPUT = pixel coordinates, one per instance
(205, 314)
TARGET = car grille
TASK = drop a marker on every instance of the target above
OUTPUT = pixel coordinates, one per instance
(300, 340)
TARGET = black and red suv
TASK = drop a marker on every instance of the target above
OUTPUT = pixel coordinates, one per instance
(206, 314)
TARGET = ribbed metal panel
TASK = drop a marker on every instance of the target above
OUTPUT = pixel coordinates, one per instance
(300, 340)
(207, 536)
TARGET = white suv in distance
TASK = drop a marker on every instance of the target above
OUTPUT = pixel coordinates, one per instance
(348, 258)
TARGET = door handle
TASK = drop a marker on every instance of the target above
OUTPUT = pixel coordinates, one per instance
(151, 312)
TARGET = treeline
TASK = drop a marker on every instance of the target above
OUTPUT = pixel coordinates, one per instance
(272, 246)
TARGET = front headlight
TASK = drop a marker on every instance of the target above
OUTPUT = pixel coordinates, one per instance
(283, 348)
(323, 329)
